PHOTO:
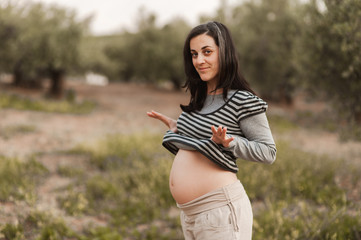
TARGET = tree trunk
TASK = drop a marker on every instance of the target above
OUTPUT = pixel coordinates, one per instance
(18, 76)
(57, 83)
(176, 83)
(357, 116)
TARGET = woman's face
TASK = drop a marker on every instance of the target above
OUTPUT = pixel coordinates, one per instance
(205, 59)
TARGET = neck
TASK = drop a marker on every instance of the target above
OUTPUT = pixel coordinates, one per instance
(212, 92)
(211, 86)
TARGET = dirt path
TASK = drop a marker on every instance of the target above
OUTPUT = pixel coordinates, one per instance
(121, 109)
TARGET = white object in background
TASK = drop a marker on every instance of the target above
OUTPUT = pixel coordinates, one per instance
(96, 79)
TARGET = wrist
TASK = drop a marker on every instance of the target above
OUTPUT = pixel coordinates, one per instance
(229, 142)
(225, 145)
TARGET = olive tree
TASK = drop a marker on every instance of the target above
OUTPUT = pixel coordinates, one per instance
(265, 33)
(45, 43)
(9, 34)
(151, 54)
(331, 54)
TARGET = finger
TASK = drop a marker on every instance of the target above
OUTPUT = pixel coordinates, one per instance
(214, 130)
(150, 114)
(159, 116)
(224, 132)
(219, 130)
(156, 113)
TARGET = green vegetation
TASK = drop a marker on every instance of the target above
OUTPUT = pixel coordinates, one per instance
(160, 48)
(266, 33)
(330, 50)
(301, 197)
(18, 179)
(38, 225)
(125, 183)
(93, 56)
(22, 103)
(129, 184)
(281, 124)
(284, 46)
(69, 171)
(39, 41)
(12, 130)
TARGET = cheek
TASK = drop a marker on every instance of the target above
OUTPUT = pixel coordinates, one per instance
(193, 62)
(215, 60)
(216, 64)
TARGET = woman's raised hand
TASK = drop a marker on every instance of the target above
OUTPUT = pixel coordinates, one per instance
(220, 136)
(169, 122)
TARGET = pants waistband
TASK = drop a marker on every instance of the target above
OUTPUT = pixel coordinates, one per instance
(214, 199)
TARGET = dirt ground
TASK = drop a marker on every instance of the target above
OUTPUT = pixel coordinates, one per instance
(122, 109)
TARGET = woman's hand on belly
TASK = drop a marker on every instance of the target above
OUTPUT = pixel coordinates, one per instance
(193, 175)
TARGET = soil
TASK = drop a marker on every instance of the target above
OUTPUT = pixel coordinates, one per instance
(121, 108)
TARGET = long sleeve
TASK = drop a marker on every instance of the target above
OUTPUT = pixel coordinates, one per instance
(243, 113)
(258, 144)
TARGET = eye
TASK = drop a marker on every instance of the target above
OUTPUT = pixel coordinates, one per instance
(207, 52)
(194, 54)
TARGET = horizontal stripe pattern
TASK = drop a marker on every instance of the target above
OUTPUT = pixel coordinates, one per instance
(194, 129)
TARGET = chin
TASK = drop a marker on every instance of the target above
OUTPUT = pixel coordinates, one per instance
(205, 79)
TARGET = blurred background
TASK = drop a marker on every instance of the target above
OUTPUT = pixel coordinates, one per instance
(81, 160)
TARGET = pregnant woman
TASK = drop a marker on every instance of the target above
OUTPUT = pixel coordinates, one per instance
(223, 121)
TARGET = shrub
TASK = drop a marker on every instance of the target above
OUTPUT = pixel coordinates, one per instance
(21, 103)
(18, 179)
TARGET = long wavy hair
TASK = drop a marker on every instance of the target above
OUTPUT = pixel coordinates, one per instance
(229, 69)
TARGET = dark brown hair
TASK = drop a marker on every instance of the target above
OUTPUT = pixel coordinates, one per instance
(229, 71)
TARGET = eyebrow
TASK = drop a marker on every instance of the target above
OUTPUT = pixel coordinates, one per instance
(202, 48)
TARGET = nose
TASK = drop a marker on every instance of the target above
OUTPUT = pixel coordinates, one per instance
(200, 59)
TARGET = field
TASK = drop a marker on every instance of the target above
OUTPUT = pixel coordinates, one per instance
(92, 167)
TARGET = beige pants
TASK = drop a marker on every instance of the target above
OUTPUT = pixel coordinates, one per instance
(222, 214)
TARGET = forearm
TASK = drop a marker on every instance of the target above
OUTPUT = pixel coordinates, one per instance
(258, 144)
(252, 150)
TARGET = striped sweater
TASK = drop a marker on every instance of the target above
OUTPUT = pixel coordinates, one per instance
(194, 129)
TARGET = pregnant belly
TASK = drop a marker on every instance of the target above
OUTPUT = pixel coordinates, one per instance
(193, 175)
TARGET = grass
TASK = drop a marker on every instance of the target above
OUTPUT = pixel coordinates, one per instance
(301, 198)
(38, 225)
(326, 120)
(130, 184)
(281, 124)
(125, 183)
(45, 105)
(12, 130)
(18, 179)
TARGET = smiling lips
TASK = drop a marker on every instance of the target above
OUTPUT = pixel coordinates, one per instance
(203, 69)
